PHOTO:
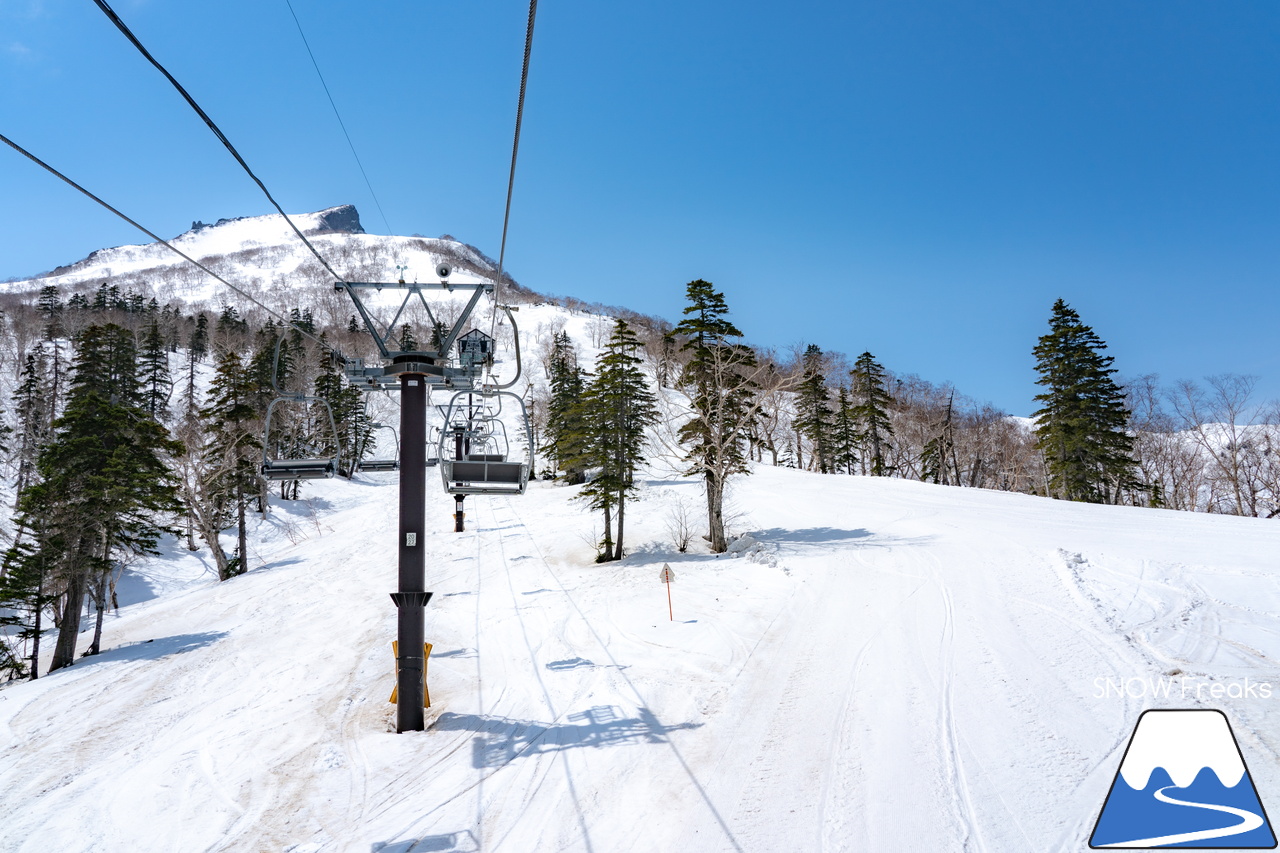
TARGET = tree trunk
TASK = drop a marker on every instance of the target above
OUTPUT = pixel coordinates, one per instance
(35, 637)
(622, 509)
(64, 653)
(715, 514)
(242, 550)
(100, 600)
(608, 536)
(204, 521)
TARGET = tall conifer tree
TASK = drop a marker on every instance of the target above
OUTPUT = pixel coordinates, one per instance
(233, 455)
(153, 372)
(720, 380)
(564, 439)
(104, 478)
(1080, 426)
(618, 407)
(813, 415)
(871, 407)
(845, 434)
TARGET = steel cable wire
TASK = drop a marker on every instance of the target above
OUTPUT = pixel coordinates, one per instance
(338, 115)
(51, 170)
(120, 25)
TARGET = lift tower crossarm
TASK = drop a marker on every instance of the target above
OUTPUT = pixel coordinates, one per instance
(353, 289)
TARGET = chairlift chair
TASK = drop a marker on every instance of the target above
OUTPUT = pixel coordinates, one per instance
(286, 468)
(383, 464)
(433, 444)
(475, 454)
(296, 468)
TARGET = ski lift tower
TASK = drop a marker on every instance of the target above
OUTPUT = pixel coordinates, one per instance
(413, 373)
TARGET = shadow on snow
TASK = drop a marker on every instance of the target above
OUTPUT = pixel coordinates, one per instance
(452, 842)
(501, 740)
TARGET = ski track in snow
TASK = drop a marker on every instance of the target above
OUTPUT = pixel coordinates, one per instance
(919, 678)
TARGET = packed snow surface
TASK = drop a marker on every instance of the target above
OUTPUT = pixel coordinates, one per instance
(882, 666)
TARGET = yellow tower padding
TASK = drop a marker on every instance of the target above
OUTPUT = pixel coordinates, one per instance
(395, 691)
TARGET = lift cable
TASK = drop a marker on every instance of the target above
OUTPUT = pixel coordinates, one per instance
(515, 150)
(338, 115)
(120, 25)
(34, 159)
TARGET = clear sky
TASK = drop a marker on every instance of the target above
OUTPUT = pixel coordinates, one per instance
(917, 179)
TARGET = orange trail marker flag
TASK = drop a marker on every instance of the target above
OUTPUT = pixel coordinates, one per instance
(667, 576)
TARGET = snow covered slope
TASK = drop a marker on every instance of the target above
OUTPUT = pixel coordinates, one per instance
(882, 666)
(261, 254)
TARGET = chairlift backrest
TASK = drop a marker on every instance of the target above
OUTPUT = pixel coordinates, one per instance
(383, 463)
(280, 468)
(476, 457)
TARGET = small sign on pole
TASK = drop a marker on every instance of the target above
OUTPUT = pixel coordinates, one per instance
(667, 576)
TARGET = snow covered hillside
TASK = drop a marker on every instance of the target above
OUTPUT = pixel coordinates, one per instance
(879, 665)
(262, 255)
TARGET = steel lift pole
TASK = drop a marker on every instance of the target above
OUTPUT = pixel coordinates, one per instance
(412, 597)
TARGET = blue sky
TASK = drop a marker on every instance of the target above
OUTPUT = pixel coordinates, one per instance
(917, 179)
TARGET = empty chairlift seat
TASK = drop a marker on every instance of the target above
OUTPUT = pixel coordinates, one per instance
(382, 464)
(299, 469)
(476, 457)
(284, 467)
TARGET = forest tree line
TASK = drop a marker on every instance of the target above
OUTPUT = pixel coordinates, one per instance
(129, 420)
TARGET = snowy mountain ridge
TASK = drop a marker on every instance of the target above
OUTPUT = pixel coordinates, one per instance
(262, 255)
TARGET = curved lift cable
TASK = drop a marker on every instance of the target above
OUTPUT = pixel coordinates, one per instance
(294, 467)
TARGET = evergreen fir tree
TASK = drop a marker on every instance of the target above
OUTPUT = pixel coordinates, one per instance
(197, 349)
(1080, 427)
(153, 371)
(439, 334)
(618, 407)
(198, 344)
(25, 593)
(563, 437)
(50, 307)
(104, 478)
(719, 379)
(232, 455)
(871, 408)
(845, 436)
(813, 416)
(35, 416)
(666, 358)
(101, 298)
(407, 342)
